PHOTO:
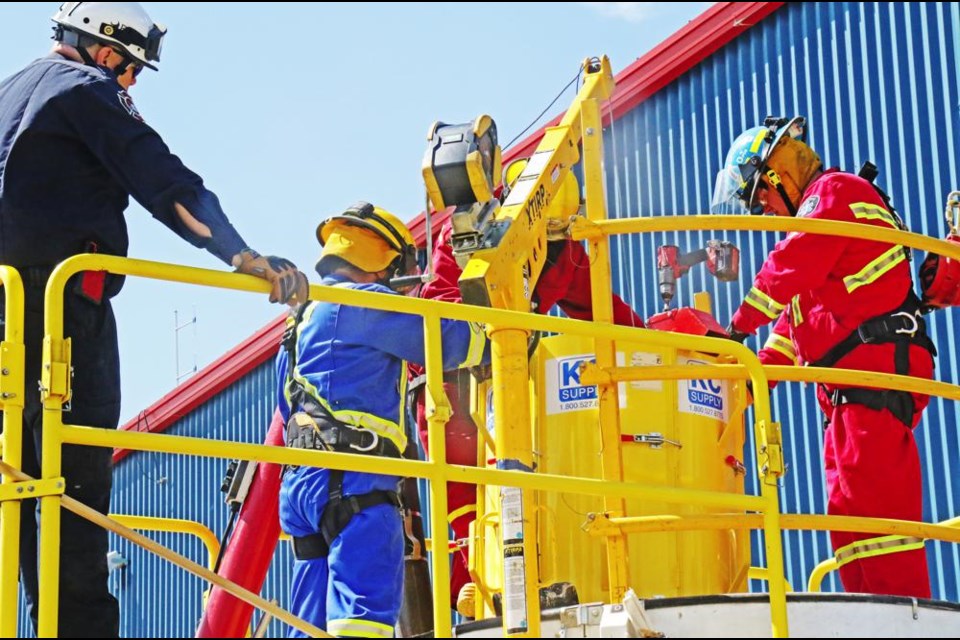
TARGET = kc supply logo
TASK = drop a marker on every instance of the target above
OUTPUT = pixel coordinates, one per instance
(570, 393)
(564, 390)
(702, 397)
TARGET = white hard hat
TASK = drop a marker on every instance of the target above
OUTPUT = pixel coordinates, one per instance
(116, 24)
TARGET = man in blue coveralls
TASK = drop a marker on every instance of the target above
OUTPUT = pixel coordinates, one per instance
(73, 148)
(345, 392)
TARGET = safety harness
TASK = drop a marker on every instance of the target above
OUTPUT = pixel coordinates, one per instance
(314, 427)
(902, 327)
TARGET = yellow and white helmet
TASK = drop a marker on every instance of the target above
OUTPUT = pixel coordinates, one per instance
(123, 25)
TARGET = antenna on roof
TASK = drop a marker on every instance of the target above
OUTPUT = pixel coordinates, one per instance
(177, 326)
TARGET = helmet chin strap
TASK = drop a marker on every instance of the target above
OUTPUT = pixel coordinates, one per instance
(78, 41)
(773, 178)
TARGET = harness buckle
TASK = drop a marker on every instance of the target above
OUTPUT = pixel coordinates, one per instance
(374, 440)
(913, 321)
(836, 397)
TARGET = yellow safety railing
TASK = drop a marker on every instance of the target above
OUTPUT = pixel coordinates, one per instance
(56, 433)
(831, 564)
(770, 462)
(11, 401)
(173, 525)
(760, 573)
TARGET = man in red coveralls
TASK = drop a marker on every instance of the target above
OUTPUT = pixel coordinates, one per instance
(848, 303)
(565, 281)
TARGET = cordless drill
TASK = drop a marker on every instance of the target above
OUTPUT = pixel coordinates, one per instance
(722, 258)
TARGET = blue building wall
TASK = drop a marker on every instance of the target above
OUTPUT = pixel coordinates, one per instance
(877, 81)
(157, 599)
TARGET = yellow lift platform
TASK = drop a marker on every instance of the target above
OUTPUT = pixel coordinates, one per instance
(617, 448)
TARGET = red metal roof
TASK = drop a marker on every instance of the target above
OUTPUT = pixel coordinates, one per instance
(663, 64)
(711, 30)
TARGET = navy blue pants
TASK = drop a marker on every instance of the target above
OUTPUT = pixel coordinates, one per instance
(87, 610)
(357, 589)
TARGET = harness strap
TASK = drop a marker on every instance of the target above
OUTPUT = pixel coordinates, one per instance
(899, 403)
(337, 514)
(903, 326)
(315, 428)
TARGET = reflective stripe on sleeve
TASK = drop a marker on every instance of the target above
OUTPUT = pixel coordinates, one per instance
(764, 303)
(478, 340)
(781, 345)
(868, 211)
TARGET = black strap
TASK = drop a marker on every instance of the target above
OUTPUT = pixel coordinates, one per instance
(289, 344)
(899, 403)
(337, 514)
(904, 326)
(324, 433)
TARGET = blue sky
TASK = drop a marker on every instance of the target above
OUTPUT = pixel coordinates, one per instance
(291, 112)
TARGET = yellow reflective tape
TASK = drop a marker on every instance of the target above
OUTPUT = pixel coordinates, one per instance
(304, 317)
(462, 511)
(755, 145)
(868, 211)
(781, 345)
(875, 268)
(388, 429)
(402, 386)
(880, 546)
(763, 303)
(478, 340)
(359, 629)
(360, 419)
(796, 315)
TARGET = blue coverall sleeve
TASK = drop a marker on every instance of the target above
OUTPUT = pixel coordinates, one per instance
(104, 116)
(400, 334)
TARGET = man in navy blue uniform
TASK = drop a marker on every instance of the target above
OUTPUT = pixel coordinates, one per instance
(342, 378)
(73, 149)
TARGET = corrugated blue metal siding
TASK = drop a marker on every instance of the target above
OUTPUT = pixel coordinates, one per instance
(878, 81)
(156, 598)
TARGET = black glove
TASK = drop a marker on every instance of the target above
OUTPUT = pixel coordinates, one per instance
(736, 336)
(288, 284)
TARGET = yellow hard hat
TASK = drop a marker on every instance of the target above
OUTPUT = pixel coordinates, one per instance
(512, 171)
(566, 202)
(369, 238)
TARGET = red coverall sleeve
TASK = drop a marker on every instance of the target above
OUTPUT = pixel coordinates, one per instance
(566, 283)
(445, 285)
(800, 262)
(779, 349)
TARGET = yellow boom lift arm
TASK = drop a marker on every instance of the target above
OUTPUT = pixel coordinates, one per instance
(503, 250)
